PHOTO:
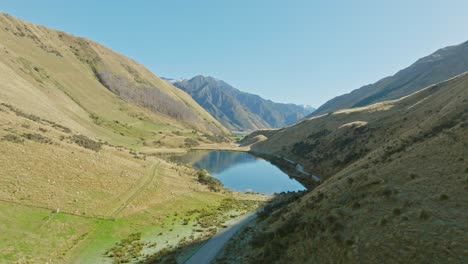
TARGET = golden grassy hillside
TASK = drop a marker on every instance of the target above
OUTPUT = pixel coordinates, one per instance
(91, 89)
(396, 178)
(75, 186)
(65, 197)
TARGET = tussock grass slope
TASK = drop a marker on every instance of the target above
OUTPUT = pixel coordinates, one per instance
(395, 181)
(87, 87)
(441, 65)
(74, 119)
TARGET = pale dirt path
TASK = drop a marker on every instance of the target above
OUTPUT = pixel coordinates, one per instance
(206, 253)
(133, 193)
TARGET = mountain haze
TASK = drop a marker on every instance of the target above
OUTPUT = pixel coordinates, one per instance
(443, 64)
(239, 111)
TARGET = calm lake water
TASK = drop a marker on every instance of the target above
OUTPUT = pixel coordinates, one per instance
(240, 171)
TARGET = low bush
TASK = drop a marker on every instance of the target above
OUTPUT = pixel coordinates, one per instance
(212, 183)
(126, 250)
(424, 215)
(13, 138)
(190, 142)
(443, 197)
(36, 138)
(86, 142)
(261, 238)
(216, 138)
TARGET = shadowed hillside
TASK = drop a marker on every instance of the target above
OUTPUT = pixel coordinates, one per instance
(240, 111)
(395, 180)
(441, 65)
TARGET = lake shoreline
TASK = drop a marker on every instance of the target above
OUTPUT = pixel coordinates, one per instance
(242, 171)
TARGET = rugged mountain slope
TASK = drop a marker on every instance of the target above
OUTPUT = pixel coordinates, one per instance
(85, 86)
(441, 65)
(237, 110)
(395, 181)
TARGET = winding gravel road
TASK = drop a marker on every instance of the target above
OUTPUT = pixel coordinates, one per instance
(210, 249)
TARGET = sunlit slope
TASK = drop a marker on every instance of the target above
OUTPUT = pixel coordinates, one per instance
(441, 65)
(395, 180)
(64, 197)
(328, 143)
(74, 117)
(87, 87)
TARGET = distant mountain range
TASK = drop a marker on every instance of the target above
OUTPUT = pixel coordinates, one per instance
(237, 110)
(443, 64)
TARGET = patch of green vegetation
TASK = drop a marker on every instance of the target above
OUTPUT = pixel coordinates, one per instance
(208, 218)
(237, 138)
(36, 118)
(136, 76)
(36, 138)
(215, 216)
(96, 119)
(38, 73)
(109, 233)
(86, 142)
(216, 138)
(281, 201)
(212, 183)
(190, 142)
(35, 235)
(127, 249)
(13, 138)
(22, 114)
(139, 130)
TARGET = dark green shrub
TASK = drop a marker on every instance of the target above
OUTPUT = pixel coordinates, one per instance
(126, 250)
(95, 118)
(36, 138)
(212, 183)
(86, 142)
(12, 138)
(190, 142)
(216, 138)
(261, 238)
(424, 215)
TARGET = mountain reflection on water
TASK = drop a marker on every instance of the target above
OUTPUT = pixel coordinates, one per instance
(241, 171)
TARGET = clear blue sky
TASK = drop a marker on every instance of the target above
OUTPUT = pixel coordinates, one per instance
(289, 51)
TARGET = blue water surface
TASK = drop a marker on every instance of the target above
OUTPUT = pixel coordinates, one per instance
(243, 172)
